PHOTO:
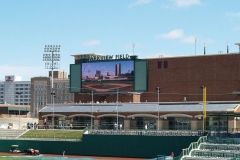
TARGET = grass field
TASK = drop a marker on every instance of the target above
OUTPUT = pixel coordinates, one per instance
(61, 134)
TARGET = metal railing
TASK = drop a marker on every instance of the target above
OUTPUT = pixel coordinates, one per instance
(216, 154)
(193, 145)
(224, 134)
(50, 139)
(66, 127)
(146, 132)
(223, 140)
(222, 147)
(217, 146)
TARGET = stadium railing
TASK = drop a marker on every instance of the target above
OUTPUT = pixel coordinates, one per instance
(193, 145)
(147, 132)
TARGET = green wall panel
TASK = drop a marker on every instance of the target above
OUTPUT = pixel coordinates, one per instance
(140, 75)
(75, 78)
(113, 145)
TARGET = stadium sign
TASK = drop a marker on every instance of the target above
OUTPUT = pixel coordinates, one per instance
(107, 57)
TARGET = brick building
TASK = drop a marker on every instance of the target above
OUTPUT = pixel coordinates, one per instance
(181, 79)
(41, 91)
(175, 82)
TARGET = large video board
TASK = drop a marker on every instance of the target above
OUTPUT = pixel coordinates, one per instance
(107, 76)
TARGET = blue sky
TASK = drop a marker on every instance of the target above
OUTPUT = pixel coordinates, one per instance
(156, 27)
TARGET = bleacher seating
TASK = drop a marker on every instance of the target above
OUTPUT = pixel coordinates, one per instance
(215, 149)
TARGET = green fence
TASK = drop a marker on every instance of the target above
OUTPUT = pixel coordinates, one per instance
(110, 145)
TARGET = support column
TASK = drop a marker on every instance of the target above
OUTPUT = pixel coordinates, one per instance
(194, 125)
(126, 124)
(231, 124)
(234, 124)
(67, 121)
(136, 98)
(163, 124)
(160, 123)
(199, 124)
(237, 122)
(40, 122)
(96, 123)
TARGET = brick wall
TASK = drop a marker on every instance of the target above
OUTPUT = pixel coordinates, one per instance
(181, 78)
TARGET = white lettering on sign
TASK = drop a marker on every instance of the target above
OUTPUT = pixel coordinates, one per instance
(107, 57)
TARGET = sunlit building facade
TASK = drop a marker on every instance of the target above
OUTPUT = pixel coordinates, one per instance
(15, 92)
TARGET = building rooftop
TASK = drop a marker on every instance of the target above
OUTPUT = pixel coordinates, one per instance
(142, 107)
(81, 56)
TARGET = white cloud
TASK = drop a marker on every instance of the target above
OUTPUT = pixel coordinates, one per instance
(139, 3)
(22, 72)
(189, 39)
(173, 34)
(179, 35)
(91, 43)
(186, 3)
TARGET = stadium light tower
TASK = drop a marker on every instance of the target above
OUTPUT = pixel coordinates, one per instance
(51, 57)
(238, 44)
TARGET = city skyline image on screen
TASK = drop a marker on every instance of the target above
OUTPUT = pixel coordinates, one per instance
(108, 76)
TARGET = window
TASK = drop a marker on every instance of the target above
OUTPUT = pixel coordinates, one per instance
(159, 64)
(165, 64)
(162, 64)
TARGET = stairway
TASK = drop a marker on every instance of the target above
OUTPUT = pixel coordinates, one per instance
(215, 148)
(11, 133)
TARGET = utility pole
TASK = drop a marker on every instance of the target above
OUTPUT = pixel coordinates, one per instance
(158, 92)
(92, 112)
(19, 93)
(117, 108)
